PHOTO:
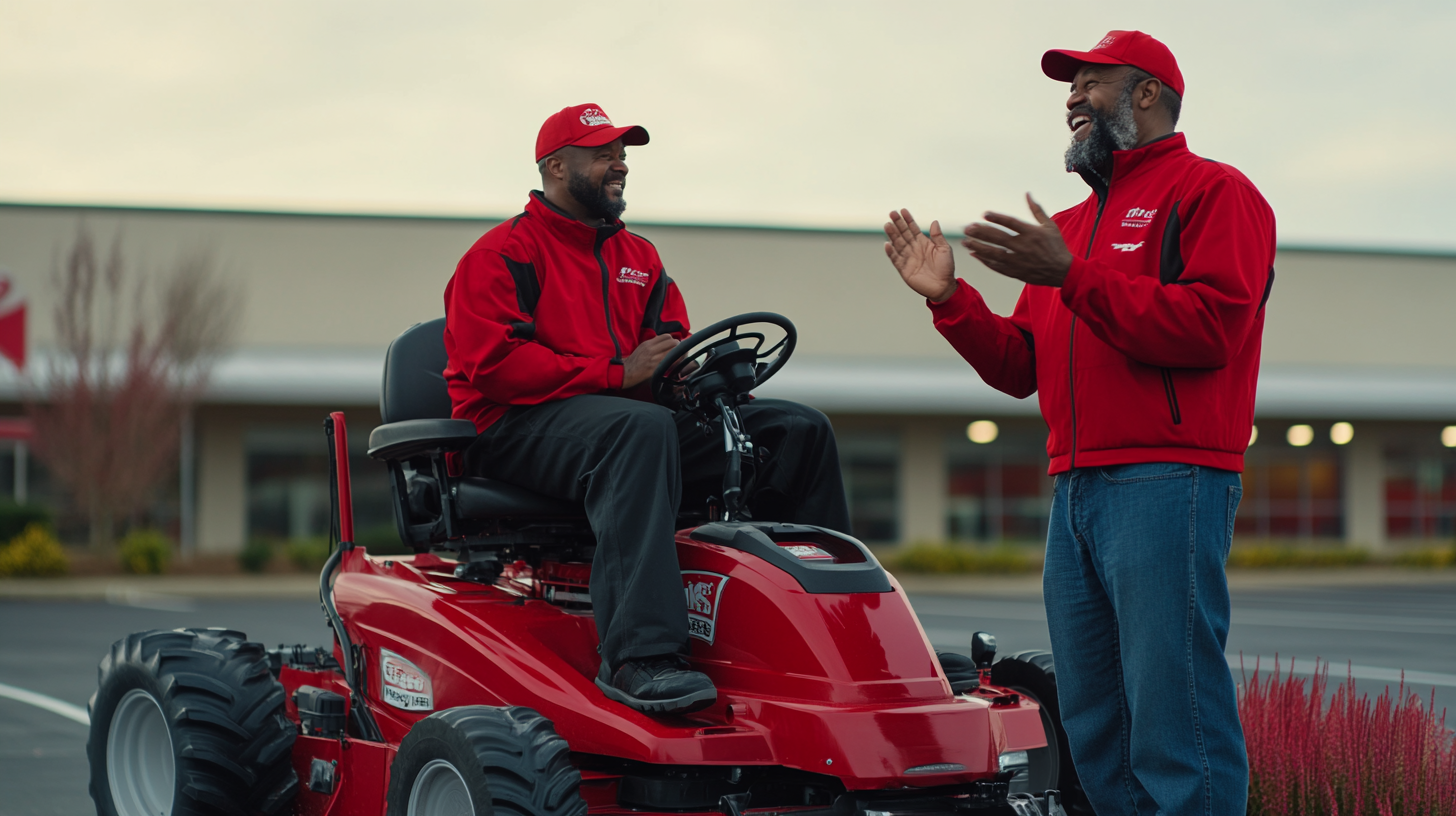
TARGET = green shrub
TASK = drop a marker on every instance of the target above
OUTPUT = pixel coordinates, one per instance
(1275, 555)
(15, 518)
(255, 555)
(1002, 559)
(308, 553)
(1428, 557)
(33, 553)
(145, 551)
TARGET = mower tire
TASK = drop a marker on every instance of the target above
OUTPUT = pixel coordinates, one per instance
(484, 760)
(189, 722)
(1034, 674)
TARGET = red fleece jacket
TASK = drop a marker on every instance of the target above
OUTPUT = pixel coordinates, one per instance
(1149, 351)
(544, 307)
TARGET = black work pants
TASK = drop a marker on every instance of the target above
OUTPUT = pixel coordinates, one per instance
(634, 464)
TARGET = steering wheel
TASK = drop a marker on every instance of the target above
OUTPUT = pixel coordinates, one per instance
(728, 359)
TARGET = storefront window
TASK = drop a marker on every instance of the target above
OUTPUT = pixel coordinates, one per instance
(1420, 493)
(999, 490)
(870, 463)
(1291, 492)
(288, 485)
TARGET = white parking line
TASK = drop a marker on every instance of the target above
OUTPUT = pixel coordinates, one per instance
(50, 704)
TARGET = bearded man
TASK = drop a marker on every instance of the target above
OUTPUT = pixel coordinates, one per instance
(1139, 329)
(554, 322)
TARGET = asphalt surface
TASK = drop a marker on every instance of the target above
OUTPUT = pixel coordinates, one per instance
(52, 648)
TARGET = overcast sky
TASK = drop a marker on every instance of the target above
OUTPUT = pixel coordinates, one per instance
(778, 113)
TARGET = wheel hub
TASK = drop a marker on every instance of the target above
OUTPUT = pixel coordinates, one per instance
(440, 790)
(140, 765)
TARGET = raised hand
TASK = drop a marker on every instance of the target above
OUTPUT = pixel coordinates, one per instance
(1033, 253)
(924, 263)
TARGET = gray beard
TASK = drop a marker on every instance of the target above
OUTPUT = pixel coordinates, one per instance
(1109, 133)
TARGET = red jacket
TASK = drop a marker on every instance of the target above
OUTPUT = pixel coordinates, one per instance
(544, 307)
(1149, 352)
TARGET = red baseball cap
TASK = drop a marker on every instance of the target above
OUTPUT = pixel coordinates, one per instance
(583, 126)
(1118, 48)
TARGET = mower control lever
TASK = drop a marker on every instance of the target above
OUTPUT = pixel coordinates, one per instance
(736, 445)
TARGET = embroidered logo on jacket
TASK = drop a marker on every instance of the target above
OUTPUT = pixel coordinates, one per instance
(591, 117)
(1127, 247)
(1137, 217)
(630, 275)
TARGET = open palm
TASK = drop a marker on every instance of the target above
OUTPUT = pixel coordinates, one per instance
(924, 262)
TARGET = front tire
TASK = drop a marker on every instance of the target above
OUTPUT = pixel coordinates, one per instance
(484, 761)
(189, 722)
(1034, 674)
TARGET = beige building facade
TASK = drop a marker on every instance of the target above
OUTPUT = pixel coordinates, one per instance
(1357, 389)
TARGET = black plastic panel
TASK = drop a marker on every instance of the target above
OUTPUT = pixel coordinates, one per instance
(419, 437)
(819, 577)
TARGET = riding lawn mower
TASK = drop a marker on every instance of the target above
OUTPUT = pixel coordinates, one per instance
(461, 679)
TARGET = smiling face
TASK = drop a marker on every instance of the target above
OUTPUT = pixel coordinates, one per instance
(596, 177)
(1096, 88)
(1101, 117)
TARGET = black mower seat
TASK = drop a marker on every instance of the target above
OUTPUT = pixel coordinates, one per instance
(415, 406)
(477, 498)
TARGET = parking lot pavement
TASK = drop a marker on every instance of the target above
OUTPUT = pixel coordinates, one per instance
(1374, 632)
(53, 647)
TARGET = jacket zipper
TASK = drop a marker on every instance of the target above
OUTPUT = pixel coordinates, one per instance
(607, 292)
(1072, 339)
(1172, 394)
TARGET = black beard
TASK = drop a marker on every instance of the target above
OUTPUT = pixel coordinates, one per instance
(1108, 133)
(595, 199)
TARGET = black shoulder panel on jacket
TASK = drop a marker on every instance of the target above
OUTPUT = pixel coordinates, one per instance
(1170, 267)
(528, 288)
(652, 317)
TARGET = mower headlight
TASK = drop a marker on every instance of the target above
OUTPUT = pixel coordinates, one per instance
(1015, 761)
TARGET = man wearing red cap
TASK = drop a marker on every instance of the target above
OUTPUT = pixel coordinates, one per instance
(1139, 330)
(554, 321)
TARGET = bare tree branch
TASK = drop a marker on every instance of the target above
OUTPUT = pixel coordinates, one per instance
(109, 417)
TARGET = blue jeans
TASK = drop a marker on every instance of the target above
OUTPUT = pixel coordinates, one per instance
(1138, 609)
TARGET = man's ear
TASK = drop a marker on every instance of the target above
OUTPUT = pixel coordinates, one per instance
(1149, 93)
(553, 166)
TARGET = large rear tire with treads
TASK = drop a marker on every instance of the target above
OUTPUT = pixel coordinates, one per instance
(1034, 674)
(186, 722)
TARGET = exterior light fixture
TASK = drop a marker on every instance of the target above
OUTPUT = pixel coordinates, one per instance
(1448, 436)
(1341, 433)
(982, 431)
(1300, 435)
(1253, 435)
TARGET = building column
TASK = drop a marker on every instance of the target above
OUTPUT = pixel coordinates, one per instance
(222, 483)
(1363, 473)
(923, 481)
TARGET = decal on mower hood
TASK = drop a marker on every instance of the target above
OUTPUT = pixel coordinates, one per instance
(704, 591)
(403, 684)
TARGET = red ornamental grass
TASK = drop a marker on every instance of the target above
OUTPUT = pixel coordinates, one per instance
(1392, 757)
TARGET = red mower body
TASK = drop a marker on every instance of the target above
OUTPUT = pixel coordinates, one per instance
(842, 685)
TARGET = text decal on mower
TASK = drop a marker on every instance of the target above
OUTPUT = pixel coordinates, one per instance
(704, 591)
(403, 684)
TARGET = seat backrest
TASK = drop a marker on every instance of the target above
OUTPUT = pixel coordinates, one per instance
(414, 375)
